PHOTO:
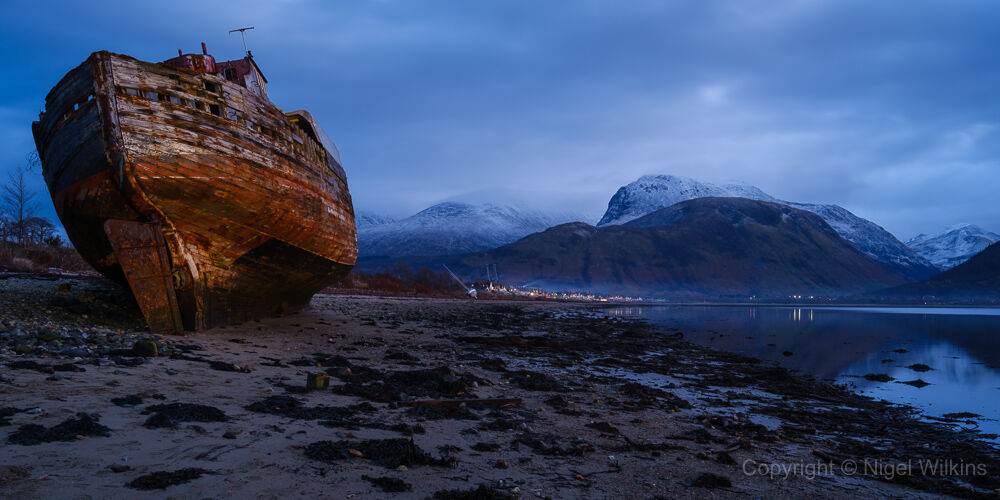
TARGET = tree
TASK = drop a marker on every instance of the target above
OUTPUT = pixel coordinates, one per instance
(18, 201)
(54, 241)
(6, 227)
(37, 230)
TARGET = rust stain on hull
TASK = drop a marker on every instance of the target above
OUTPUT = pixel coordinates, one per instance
(193, 189)
(142, 255)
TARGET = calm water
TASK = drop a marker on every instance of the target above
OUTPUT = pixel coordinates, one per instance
(961, 345)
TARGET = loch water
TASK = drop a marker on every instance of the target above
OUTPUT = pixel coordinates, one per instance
(843, 344)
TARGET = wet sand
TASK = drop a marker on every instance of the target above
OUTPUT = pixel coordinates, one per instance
(572, 404)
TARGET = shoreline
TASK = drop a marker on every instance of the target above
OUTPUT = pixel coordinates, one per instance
(533, 399)
(486, 296)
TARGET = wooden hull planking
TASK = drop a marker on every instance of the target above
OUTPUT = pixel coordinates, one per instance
(212, 206)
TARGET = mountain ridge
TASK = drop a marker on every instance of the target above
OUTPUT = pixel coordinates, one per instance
(975, 281)
(450, 228)
(653, 192)
(953, 246)
(688, 249)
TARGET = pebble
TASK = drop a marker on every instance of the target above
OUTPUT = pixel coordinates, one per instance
(145, 348)
(92, 319)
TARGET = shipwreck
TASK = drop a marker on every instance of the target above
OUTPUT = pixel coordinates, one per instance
(184, 182)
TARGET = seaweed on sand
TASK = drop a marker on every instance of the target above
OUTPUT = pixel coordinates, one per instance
(169, 415)
(392, 385)
(389, 453)
(290, 407)
(388, 484)
(162, 479)
(481, 492)
(545, 444)
(69, 430)
(8, 412)
(535, 381)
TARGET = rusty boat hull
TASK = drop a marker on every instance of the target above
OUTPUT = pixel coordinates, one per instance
(182, 181)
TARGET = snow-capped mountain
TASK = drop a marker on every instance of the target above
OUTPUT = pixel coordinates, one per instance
(653, 192)
(685, 250)
(954, 245)
(869, 237)
(451, 228)
(365, 219)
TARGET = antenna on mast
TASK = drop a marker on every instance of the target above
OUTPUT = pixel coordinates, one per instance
(243, 33)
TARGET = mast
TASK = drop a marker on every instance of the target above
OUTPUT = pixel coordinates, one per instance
(243, 33)
(471, 292)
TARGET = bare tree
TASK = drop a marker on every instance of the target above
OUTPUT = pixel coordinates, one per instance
(6, 227)
(37, 230)
(18, 200)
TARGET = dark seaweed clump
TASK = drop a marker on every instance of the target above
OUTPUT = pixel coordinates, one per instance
(546, 444)
(388, 484)
(645, 396)
(494, 364)
(709, 480)
(535, 381)
(486, 446)
(442, 412)
(290, 407)
(82, 425)
(169, 415)
(392, 385)
(390, 453)
(215, 365)
(350, 417)
(7, 412)
(482, 492)
(162, 479)
(33, 365)
(127, 401)
(400, 356)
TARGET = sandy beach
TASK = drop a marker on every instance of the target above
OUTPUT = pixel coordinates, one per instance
(434, 398)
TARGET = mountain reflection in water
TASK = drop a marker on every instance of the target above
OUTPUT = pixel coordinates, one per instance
(842, 344)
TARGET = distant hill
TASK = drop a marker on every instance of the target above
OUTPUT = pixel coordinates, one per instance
(447, 229)
(954, 245)
(365, 220)
(976, 280)
(653, 192)
(699, 247)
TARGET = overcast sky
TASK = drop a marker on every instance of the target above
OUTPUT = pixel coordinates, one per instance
(889, 109)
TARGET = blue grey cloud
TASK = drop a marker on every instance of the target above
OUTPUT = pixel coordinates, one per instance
(887, 108)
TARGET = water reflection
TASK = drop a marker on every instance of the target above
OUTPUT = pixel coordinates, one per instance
(962, 346)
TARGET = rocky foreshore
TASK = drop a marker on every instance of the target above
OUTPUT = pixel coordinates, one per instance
(434, 398)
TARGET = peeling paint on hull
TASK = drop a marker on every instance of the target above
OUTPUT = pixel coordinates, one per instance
(195, 191)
